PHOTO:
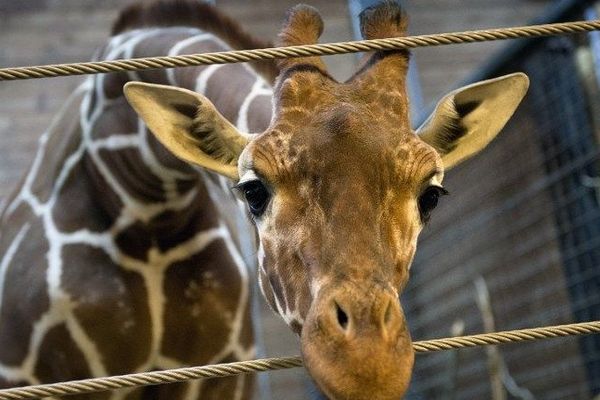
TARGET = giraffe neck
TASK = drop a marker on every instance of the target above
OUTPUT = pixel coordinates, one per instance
(114, 224)
(151, 190)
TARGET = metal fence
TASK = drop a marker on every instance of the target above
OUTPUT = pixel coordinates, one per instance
(517, 243)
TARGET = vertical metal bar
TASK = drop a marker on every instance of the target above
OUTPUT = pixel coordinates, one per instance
(414, 84)
(592, 14)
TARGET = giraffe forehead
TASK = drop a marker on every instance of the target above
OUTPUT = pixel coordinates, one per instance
(308, 156)
(414, 158)
(335, 130)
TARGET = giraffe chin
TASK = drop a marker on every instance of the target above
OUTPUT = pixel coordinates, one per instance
(358, 362)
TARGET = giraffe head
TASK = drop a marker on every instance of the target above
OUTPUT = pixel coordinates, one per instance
(339, 187)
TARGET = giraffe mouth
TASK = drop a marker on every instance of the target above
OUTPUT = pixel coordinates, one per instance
(357, 345)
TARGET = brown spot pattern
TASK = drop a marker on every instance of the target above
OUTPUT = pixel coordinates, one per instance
(25, 297)
(111, 305)
(167, 159)
(134, 176)
(63, 140)
(246, 338)
(224, 92)
(187, 77)
(169, 228)
(113, 84)
(117, 118)
(157, 45)
(135, 241)
(225, 388)
(59, 357)
(194, 14)
(7, 384)
(258, 119)
(201, 299)
(175, 391)
(76, 198)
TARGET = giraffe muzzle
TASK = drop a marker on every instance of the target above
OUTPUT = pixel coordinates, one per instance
(356, 344)
(381, 318)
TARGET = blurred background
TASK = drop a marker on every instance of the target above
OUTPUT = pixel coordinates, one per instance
(517, 244)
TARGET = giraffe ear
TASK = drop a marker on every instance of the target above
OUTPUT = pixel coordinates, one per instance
(189, 125)
(467, 119)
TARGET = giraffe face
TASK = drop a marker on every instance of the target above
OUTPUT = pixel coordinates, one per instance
(339, 194)
(324, 168)
(339, 187)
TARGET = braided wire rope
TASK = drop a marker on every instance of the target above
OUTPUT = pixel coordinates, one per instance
(236, 56)
(269, 364)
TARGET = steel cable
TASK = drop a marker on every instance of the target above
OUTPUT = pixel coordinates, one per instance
(269, 364)
(236, 56)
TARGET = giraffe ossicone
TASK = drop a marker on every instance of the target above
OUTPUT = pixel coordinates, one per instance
(339, 187)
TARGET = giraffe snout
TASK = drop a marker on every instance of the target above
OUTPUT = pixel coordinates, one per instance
(356, 344)
(377, 315)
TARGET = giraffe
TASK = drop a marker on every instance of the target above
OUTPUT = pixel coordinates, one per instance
(339, 187)
(116, 257)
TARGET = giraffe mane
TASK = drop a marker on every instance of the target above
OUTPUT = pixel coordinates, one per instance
(196, 14)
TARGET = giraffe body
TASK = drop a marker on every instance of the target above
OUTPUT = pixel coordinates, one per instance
(116, 256)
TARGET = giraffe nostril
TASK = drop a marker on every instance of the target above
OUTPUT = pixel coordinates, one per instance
(387, 316)
(342, 317)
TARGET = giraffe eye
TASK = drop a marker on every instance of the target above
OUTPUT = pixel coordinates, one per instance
(257, 196)
(428, 200)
